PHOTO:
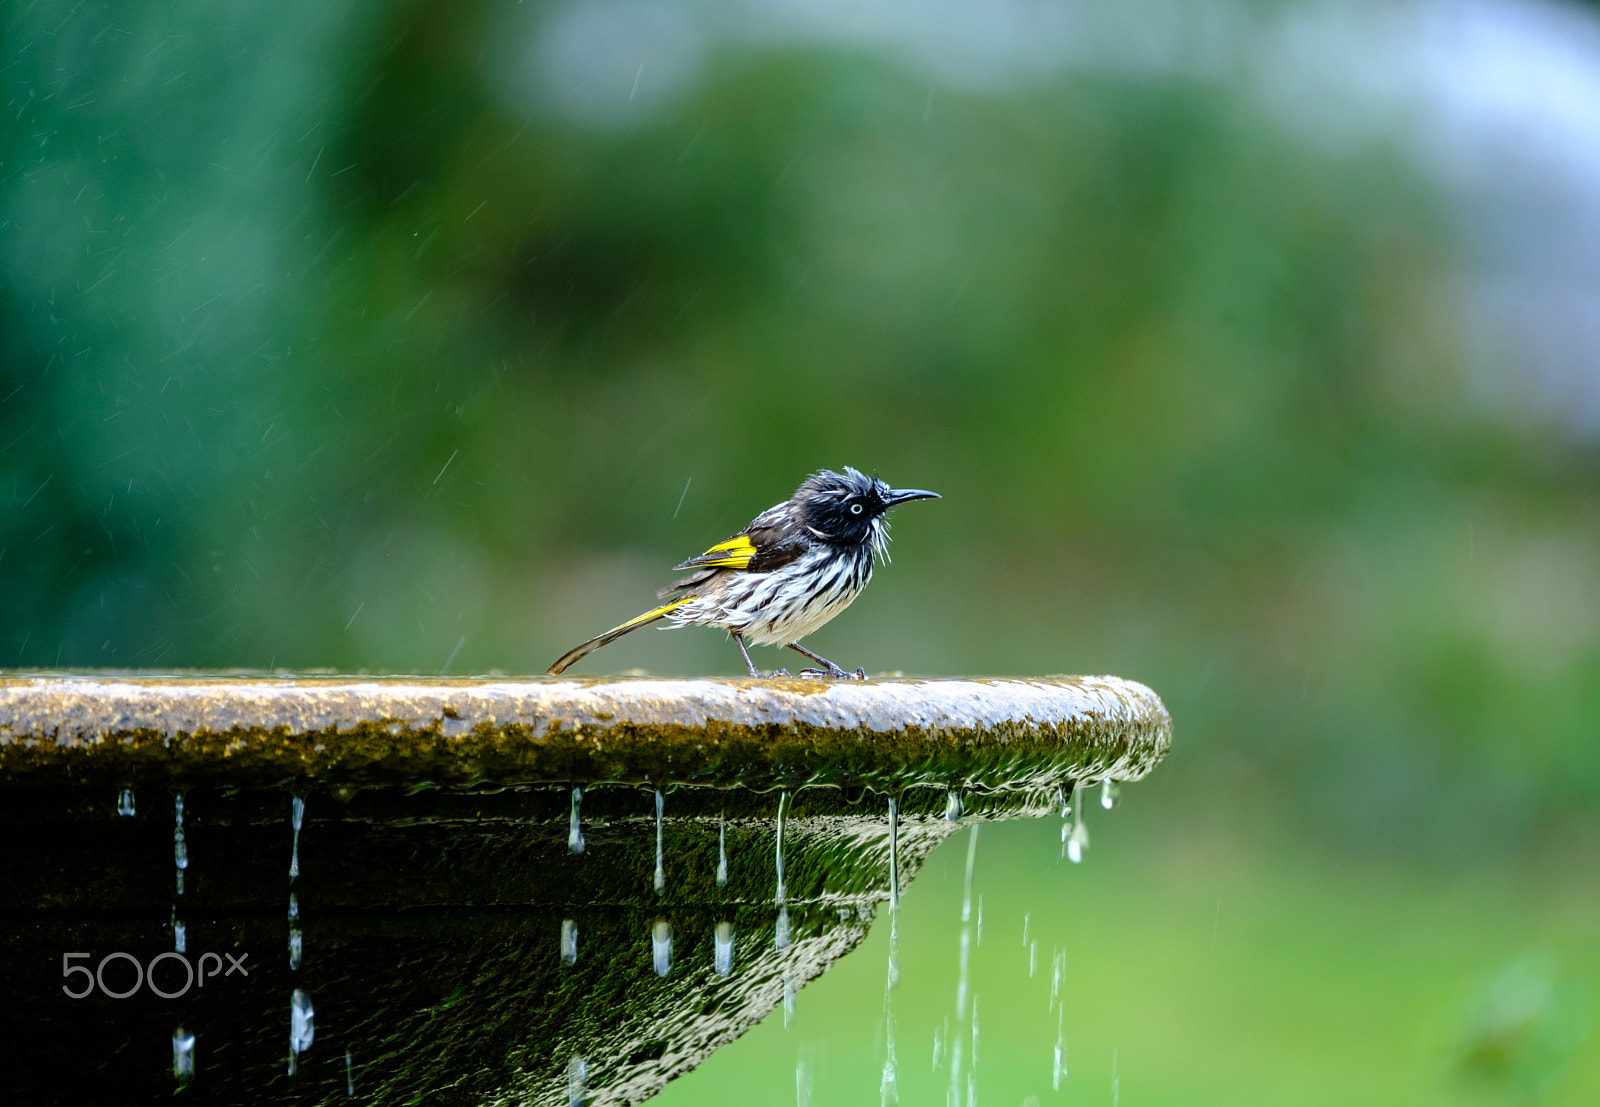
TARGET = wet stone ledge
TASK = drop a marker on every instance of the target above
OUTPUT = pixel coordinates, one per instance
(985, 735)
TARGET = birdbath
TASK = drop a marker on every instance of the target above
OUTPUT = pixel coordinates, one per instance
(486, 890)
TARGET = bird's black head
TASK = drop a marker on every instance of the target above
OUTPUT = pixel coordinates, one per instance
(848, 508)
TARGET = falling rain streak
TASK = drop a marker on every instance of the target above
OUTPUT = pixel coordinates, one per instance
(723, 956)
(125, 802)
(569, 942)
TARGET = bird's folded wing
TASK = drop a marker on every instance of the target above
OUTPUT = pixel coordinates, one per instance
(735, 553)
(761, 548)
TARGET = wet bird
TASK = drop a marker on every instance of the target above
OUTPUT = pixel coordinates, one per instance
(797, 565)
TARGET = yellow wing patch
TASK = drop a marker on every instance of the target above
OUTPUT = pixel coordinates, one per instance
(737, 553)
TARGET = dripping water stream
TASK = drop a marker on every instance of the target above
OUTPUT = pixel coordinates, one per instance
(661, 871)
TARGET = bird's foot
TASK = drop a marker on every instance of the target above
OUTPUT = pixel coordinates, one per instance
(833, 672)
(776, 673)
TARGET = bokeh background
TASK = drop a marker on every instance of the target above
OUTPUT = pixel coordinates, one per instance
(1255, 347)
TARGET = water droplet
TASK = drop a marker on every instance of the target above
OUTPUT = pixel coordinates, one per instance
(180, 848)
(569, 942)
(1059, 1072)
(952, 806)
(182, 1054)
(1110, 793)
(974, 1031)
(722, 852)
(966, 895)
(1076, 841)
(125, 802)
(783, 890)
(782, 936)
(302, 1025)
(802, 1079)
(661, 871)
(1058, 970)
(661, 947)
(349, 1075)
(962, 979)
(724, 948)
(574, 831)
(295, 947)
(1033, 958)
(889, 1081)
(788, 999)
(180, 936)
(294, 906)
(980, 920)
(297, 814)
(577, 1081)
(894, 857)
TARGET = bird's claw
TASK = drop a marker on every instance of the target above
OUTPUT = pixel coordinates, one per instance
(833, 672)
(776, 673)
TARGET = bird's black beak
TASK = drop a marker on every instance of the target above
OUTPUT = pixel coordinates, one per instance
(901, 495)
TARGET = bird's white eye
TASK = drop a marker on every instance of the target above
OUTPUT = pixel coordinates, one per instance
(855, 509)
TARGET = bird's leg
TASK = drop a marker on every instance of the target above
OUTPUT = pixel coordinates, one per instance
(831, 671)
(751, 665)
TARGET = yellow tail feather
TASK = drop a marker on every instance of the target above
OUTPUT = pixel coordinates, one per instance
(577, 653)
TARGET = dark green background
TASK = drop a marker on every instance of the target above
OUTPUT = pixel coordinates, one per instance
(326, 340)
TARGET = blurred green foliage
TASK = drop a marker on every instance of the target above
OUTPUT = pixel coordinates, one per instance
(325, 342)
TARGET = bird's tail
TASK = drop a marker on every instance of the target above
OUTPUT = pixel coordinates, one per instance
(577, 653)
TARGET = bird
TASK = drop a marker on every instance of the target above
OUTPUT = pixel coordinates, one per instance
(797, 565)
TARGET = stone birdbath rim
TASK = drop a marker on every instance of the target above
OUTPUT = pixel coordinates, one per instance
(990, 734)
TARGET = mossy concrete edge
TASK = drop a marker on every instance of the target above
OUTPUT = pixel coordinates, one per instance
(993, 734)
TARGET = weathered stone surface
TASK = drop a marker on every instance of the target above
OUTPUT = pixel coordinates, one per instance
(992, 734)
